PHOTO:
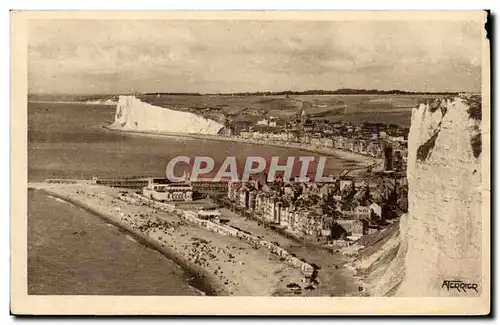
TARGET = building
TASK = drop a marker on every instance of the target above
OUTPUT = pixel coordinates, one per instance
(162, 190)
(346, 182)
(264, 121)
(359, 213)
(400, 139)
(398, 161)
(374, 149)
(303, 118)
(243, 197)
(362, 212)
(232, 190)
(322, 142)
(388, 152)
(243, 194)
(363, 146)
(297, 179)
(246, 134)
(377, 209)
(210, 186)
(353, 227)
(266, 205)
(271, 121)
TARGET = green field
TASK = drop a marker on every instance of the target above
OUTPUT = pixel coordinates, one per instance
(394, 109)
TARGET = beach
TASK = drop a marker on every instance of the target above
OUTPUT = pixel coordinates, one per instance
(68, 141)
(227, 265)
(71, 251)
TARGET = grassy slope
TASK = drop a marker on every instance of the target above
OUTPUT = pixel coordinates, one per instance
(354, 108)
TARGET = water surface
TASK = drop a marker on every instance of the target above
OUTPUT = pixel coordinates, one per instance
(74, 252)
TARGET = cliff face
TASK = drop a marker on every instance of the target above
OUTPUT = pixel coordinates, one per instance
(101, 102)
(133, 114)
(443, 232)
(440, 237)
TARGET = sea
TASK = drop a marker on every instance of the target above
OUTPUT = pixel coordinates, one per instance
(72, 252)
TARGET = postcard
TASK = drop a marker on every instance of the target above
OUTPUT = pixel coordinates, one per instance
(250, 163)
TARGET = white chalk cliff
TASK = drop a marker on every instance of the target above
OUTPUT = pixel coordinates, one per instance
(440, 237)
(443, 234)
(134, 115)
(101, 102)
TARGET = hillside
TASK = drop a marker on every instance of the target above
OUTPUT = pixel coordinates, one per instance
(387, 108)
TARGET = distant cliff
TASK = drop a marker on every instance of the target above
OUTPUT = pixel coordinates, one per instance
(440, 237)
(101, 102)
(133, 114)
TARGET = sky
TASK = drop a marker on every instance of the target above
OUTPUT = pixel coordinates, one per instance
(84, 56)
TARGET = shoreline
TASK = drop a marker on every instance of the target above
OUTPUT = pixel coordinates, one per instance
(198, 278)
(362, 160)
(218, 265)
(66, 102)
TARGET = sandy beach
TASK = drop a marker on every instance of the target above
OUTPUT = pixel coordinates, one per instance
(246, 269)
(71, 251)
(228, 265)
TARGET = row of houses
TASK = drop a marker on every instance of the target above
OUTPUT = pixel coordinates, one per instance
(370, 147)
(300, 215)
(389, 148)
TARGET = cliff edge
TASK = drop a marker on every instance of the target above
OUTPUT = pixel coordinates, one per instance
(439, 239)
(135, 115)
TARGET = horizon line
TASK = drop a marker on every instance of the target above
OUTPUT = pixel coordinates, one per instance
(265, 92)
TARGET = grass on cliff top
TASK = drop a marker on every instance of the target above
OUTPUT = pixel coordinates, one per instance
(390, 109)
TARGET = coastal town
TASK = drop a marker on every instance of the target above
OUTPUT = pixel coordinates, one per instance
(318, 157)
(317, 235)
(348, 207)
(377, 140)
(321, 218)
(344, 209)
(340, 210)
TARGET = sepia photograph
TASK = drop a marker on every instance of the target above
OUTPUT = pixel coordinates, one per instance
(208, 163)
